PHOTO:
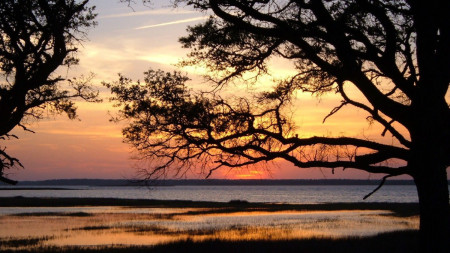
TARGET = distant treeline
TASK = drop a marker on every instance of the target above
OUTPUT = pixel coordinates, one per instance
(206, 182)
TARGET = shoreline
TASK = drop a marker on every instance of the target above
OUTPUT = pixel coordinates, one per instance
(36, 188)
(400, 209)
(213, 182)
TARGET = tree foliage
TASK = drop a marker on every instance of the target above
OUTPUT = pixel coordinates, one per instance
(368, 44)
(395, 53)
(37, 38)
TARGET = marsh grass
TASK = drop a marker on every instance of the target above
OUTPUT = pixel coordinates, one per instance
(185, 232)
(91, 228)
(404, 241)
(43, 214)
(164, 216)
(22, 242)
(393, 242)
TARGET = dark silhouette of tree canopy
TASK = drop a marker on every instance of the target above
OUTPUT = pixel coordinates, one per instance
(396, 53)
(37, 37)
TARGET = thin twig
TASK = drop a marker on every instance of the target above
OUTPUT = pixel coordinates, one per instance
(379, 186)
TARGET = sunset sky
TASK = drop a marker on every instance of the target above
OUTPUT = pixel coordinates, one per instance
(130, 41)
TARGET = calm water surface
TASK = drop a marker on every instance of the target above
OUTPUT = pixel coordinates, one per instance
(149, 226)
(103, 225)
(286, 194)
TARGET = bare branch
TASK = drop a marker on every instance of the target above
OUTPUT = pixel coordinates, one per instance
(335, 110)
(177, 128)
(383, 180)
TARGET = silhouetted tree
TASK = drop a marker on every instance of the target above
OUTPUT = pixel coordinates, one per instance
(396, 53)
(37, 37)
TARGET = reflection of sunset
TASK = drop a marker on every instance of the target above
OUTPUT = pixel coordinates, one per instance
(145, 226)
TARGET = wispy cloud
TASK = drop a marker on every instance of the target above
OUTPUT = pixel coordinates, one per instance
(149, 12)
(172, 23)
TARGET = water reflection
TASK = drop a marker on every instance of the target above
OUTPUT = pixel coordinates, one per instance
(149, 226)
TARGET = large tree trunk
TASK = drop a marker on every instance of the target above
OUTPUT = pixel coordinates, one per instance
(429, 158)
(432, 188)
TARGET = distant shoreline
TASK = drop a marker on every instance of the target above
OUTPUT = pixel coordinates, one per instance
(202, 182)
(35, 188)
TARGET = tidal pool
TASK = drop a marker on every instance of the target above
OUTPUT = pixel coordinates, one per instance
(95, 226)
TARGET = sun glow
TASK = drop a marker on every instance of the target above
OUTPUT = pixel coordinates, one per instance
(250, 174)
